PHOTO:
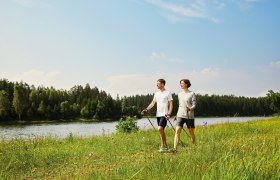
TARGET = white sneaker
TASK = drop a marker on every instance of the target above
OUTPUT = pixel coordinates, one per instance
(163, 149)
(172, 150)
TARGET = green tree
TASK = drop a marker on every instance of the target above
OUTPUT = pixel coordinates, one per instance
(76, 109)
(42, 108)
(100, 110)
(92, 108)
(56, 112)
(65, 110)
(4, 105)
(48, 112)
(117, 110)
(124, 106)
(34, 100)
(109, 104)
(274, 100)
(85, 112)
(20, 100)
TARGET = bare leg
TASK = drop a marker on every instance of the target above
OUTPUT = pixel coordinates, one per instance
(191, 131)
(162, 136)
(177, 136)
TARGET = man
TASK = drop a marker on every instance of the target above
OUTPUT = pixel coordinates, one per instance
(163, 98)
(185, 114)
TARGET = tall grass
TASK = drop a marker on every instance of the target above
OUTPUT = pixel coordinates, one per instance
(226, 151)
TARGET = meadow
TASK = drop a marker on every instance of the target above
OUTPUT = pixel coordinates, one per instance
(248, 150)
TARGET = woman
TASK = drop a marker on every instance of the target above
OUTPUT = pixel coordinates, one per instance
(185, 114)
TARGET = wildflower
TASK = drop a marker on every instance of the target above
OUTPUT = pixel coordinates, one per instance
(204, 124)
(90, 154)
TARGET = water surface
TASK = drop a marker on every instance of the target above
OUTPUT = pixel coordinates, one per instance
(62, 130)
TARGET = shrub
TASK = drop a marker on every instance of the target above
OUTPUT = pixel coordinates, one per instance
(127, 125)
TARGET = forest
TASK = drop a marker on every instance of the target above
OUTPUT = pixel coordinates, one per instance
(22, 102)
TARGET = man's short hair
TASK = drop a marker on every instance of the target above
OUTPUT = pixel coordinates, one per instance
(161, 81)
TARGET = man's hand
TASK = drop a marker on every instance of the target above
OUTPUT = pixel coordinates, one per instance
(167, 116)
(144, 112)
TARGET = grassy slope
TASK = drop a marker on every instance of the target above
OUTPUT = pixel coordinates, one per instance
(248, 150)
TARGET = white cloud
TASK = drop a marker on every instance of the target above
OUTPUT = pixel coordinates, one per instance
(172, 17)
(158, 56)
(221, 5)
(30, 3)
(275, 64)
(132, 84)
(210, 72)
(176, 10)
(194, 11)
(37, 77)
(226, 60)
(245, 4)
(162, 57)
(251, 1)
(204, 81)
(215, 20)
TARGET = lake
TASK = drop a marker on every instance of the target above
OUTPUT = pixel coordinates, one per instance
(62, 130)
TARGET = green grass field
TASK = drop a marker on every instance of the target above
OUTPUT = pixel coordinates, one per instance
(249, 150)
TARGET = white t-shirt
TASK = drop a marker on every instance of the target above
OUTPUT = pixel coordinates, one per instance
(186, 99)
(162, 98)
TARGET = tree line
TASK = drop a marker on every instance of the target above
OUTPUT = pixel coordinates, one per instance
(220, 105)
(20, 101)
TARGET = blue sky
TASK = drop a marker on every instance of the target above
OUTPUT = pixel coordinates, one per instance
(124, 46)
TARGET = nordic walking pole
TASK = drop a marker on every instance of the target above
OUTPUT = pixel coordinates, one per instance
(144, 112)
(172, 126)
(151, 123)
(186, 133)
(153, 127)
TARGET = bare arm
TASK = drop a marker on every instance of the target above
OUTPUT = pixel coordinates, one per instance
(151, 105)
(170, 110)
(170, 107)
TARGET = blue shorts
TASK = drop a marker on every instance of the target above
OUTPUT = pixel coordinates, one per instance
(161, 121)
(182, 121)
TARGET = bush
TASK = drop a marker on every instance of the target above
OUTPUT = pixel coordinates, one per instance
(127, 125)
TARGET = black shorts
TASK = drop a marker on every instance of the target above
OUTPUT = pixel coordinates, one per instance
(182, 121)
(161, 121)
